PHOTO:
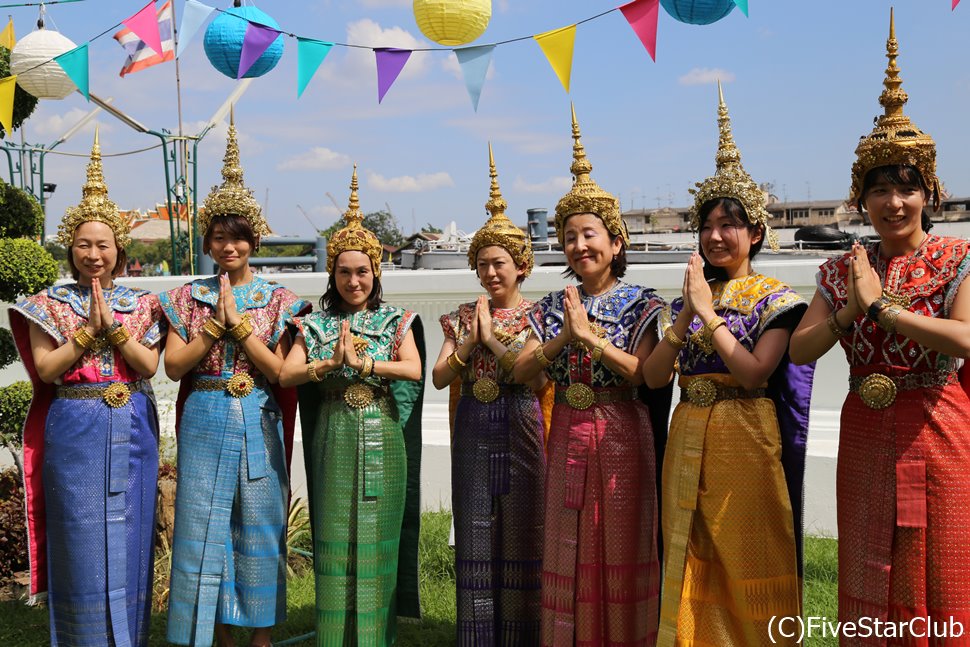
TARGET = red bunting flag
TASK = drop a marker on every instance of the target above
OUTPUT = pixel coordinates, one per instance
(642, 16)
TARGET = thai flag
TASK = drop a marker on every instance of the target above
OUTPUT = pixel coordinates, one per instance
(140, 55)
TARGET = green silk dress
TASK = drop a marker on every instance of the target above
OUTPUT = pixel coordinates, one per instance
(363, 463)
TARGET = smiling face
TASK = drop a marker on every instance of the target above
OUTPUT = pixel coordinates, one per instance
(354, 278)
(894, 203)
(230, 242)
(726, 241)
(498, 273)
(588, 245)
(94, 253)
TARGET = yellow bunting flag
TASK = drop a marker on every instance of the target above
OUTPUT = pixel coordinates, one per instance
(7, 37)
(557, 45)
(7, 87)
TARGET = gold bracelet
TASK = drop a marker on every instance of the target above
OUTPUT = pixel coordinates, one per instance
(366, 366)
(834, 326)
(118, 336)
(597, 354)
(704, 336)
(507, 361)
(242, 329)
(84, 339)
(455, 362)
(213, 329)
(890, 316)
(671, 338)
(311, 371)
(540, 356)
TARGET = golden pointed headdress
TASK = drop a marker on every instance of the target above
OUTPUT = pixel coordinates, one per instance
(95, 205)
(586, 196)
(499, 230)
(232, 198)
(354, 237)
(730, 180)
(895, 139)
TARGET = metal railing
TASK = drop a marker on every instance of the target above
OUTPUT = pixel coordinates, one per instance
(316, 259)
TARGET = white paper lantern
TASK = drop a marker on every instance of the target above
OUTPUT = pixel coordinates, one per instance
(48, 81)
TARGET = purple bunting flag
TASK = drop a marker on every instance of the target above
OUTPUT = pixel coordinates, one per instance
(257, 40)
(390, 62)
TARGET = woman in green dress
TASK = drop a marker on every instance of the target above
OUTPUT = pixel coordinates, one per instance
(360, 366)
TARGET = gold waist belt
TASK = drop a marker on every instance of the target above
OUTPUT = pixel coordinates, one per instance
(878, 391)
(357, 395)
(583, 396)
(487, 390)
(114, 394)
(704, 392)
(238, 386)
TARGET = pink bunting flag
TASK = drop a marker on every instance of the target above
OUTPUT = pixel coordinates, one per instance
(955, 3)
(144, 24)
(390, 62)
(642, 16)
(257, 40)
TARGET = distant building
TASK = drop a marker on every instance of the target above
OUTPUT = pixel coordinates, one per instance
(155, 225)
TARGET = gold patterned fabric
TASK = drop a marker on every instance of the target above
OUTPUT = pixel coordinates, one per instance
(722, 478)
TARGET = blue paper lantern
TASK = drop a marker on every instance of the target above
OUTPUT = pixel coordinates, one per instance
(224, 42)
(698, 12)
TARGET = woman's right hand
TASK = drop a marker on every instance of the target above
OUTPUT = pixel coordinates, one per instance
(474, 337)
(338, 351)
(95, 323)
(688, 309)
(220, 314)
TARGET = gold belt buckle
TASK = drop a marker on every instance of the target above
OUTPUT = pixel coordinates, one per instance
(580, 396)
(877, 391)
(702, 392)
(485, 390)
(358, 395)
(117, 395)
(240, 385)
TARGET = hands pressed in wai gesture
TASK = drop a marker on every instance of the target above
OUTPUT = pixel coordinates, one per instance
(100, 315)
(863, 285)
(698, 299)
(226, 312)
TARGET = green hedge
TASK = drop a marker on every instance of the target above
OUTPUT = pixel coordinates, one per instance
(20, 214)
(25, 268)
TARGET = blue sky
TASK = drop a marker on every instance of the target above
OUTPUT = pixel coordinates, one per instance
(801, 79)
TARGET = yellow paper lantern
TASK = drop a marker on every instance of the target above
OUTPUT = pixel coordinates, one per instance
(452, 22)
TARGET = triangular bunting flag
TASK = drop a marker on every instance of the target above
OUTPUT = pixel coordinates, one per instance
(309, 53)
(390, 62)
(642, 16)
(955, 3)
(7, 88)
(743, 5)
(144, 24)
(75, 65)
(557, 45)
(7, 37)
(257, 40)
(474, 66)
(193, 15)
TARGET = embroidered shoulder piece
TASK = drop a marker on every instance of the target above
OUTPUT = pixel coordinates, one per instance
(120, 298)
(744, 294)
(257, 294)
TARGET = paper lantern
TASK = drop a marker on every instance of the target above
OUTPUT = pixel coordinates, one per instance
(698, 12)
(224, 42)
(48, 81)
(452, 22)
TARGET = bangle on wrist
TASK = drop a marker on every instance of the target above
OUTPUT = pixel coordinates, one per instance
(242, 330)
(540, 356)
(84, 339)
(311, 371)
(118, 335)
(455, 362)
(597, 354)
(890, 316)
(213, 329)
(671, 338)
(834, 327)
(507, 361)
(877, 306)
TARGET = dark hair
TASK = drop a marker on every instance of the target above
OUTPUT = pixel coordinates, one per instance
(235, 226)
(617, 265)
(897, 175)
(331, 299)
(121, 263)
(735, 210)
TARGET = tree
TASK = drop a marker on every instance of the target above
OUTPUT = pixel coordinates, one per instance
(431, 229)
(382, 223)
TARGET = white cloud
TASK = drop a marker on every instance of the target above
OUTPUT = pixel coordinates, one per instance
(317, 158)
(378, 4)
(705, 75)
(552, 185)
(409, 183)
(53, 126)
(451, 65)
(368, 33)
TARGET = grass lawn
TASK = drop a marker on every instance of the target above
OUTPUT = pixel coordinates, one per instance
(27, 626)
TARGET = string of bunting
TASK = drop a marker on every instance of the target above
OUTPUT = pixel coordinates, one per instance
(148, 38)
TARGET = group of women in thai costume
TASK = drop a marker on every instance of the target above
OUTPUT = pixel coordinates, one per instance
(557, 538)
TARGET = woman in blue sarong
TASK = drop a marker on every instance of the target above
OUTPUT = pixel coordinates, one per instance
(226, 344)
(91, 435)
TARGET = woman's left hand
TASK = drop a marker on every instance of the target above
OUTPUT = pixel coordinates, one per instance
(351, 360)
(107, 315)
(868, 287)
(699, 290)
(229, 301)
(485, 332)
(578, 318)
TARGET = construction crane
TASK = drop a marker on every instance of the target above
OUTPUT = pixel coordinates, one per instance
(307, 216)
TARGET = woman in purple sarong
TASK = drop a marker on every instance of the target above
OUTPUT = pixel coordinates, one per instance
(91, 435)
(497, 457)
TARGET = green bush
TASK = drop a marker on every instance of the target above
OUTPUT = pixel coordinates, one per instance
(8, 350)
(25, 268)
(20, 214)
(24, 103)
(14, 402)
